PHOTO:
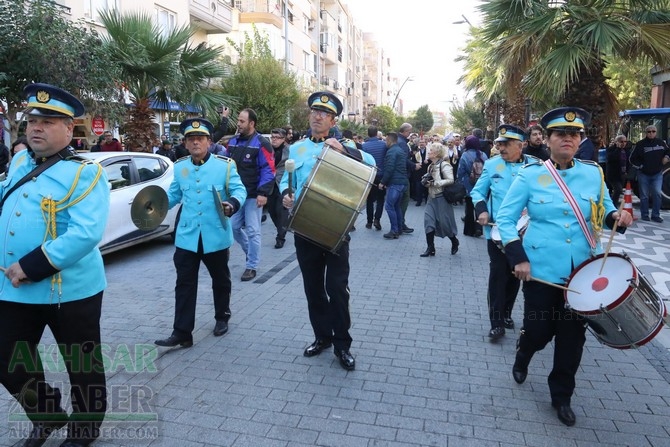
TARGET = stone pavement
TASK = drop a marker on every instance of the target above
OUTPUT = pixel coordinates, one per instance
(425, 375)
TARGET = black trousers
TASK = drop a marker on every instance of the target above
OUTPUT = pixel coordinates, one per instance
(76, 327)
(503, 286)
(325, 277)
(375, 197)
(187, 264)
(278, 213)
(470, 226)
(545, 317)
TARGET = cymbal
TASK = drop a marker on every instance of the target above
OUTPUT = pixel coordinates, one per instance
(218, 203)
(149, 208)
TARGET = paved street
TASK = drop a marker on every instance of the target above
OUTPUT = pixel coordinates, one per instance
(425, 375)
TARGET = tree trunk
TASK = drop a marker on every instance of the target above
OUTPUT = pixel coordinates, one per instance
(139, 135)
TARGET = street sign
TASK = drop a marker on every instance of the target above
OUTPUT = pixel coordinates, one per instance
(98, 125)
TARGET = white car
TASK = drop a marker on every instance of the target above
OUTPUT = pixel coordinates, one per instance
(128, 173)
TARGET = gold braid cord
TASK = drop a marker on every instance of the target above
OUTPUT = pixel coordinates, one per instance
(50, 207)
(598, 211)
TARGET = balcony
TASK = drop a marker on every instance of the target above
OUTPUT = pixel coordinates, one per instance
(213, 16)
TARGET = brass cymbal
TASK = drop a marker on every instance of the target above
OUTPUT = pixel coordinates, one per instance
(149, 208)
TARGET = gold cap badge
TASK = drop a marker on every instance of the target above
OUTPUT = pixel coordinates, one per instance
(43, 96)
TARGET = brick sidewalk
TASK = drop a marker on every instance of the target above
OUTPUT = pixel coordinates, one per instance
(425, 375)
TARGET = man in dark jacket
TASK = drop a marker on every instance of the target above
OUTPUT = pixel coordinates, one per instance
(376, 147)
(649, 155)
(395, 182)
(254, 157)
(535, 146)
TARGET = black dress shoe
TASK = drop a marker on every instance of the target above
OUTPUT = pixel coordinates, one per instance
(368, 225)
(496, 333)
(405, 229)
(520, 368)
(508, 323)
(41, 432)
(279, 243)
(378, 225)
(391, 235)
(565, 414)
(173, 341)
(316, 347)
(220, 328)
(347, 360)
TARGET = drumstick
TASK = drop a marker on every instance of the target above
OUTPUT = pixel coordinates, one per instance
(290, 167)
(553, 285)
(609, 243)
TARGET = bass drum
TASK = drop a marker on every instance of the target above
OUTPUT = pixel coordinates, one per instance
(331, 199)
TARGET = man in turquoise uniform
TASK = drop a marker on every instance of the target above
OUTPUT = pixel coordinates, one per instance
(54, 209)
(203, 234)
(325, 275)
(555, 243)
(487, 196)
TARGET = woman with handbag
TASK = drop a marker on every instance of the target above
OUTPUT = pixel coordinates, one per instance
(438, 219)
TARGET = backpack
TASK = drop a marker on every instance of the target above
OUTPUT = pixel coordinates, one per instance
(476, 170)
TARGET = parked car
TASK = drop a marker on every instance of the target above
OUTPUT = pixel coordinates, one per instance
(128, 173)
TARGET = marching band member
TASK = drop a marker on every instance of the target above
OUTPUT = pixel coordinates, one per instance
(568, 205)
(53, 213)
(325, 275)
(487, 196)
(201, 233)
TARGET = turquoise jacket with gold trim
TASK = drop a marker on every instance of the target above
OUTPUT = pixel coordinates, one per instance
(193, 186)
(491, 188)
(554, 242)
(63, 262)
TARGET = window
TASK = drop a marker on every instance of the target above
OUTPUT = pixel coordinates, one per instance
(166, 20)
(148, 168)
(93, 7)
(118, 174)
(289, 56)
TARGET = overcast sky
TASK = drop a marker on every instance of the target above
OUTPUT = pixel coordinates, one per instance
(423, 42)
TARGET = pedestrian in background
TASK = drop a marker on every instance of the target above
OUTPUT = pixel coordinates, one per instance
(438, 219)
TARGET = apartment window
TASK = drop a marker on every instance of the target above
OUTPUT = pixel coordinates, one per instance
(166, 20)
(289, 56)
(93, 7)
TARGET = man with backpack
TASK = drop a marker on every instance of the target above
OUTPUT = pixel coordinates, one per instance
(469, 170)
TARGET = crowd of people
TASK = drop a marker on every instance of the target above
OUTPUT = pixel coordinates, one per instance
(521, 177)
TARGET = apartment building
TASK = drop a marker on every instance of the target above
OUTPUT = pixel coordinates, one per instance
(317, 39)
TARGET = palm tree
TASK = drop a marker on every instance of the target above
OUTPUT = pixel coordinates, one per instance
(560, 48)
(158, 66)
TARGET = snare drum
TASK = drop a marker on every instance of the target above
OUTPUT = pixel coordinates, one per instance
(521, 227)
(622, 308)
(331, 199)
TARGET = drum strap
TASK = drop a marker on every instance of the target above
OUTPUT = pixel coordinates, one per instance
(573, 203)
